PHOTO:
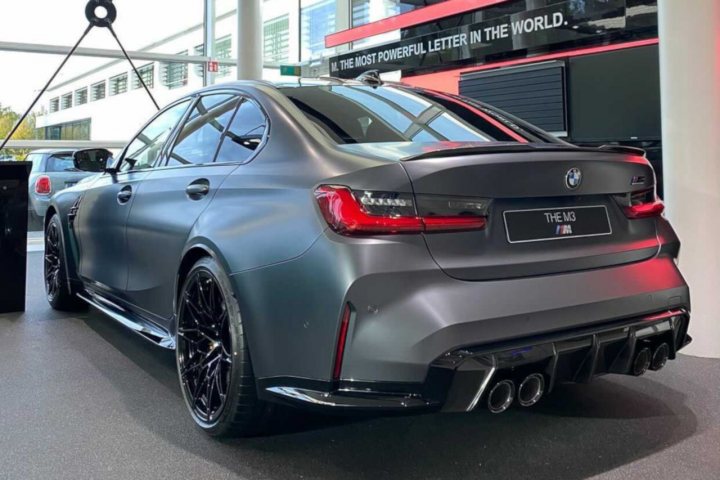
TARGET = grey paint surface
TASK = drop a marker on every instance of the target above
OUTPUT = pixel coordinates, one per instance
(432, 293)
(83, 399)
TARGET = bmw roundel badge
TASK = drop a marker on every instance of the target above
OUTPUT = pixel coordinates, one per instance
(573, 178)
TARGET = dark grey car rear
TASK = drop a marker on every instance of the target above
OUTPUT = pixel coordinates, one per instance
(387, 247)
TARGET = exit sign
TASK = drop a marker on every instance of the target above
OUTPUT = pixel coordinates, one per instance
(290, 70)
(213, 66)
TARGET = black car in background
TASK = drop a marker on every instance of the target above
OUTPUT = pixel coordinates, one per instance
(359, 246)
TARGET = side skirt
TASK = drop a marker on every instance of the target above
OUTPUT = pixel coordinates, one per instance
(134, 322)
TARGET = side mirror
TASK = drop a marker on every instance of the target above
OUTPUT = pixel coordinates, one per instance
(92, 160)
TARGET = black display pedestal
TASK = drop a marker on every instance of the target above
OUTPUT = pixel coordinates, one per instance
(13, 234)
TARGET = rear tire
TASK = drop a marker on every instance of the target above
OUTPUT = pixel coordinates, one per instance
(57, 290)
(213, 360)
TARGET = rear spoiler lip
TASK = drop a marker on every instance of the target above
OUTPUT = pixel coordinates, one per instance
(622, 149)
(521, 147)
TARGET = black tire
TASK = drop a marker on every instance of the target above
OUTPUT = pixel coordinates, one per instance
(57, 290)
(213, 357)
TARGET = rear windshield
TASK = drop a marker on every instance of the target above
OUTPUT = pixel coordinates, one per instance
(370, 114)
(62, 162)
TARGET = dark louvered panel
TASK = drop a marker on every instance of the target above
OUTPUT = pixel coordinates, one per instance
(535, 94)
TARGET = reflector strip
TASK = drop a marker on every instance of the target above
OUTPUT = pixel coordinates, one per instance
(342, 338)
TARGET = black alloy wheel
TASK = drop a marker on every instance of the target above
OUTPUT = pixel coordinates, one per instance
(57, 289)
(204, 347)
(213, 359)
(52, 262)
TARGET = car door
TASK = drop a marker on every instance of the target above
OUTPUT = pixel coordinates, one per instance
(171, 199)
(104, 207)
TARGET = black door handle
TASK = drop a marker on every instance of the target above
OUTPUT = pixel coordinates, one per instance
(124, 194)
(198, 189)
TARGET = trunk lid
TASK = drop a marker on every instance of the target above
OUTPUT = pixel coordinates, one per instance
(533, 178)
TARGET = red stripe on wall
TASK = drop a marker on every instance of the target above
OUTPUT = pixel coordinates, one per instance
(449, 80)
(408, 19)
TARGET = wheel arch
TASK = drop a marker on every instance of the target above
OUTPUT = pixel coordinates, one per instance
(70, 260)
(200, 248)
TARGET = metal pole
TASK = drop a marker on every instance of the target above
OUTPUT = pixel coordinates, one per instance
(209, 31)
(107, 53)
(249, 41)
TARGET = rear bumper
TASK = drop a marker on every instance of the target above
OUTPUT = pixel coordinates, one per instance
(407, 313)
(39, 204)
(459, 380)
(403, 322)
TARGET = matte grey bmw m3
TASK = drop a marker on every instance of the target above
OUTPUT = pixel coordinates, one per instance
(366, 246)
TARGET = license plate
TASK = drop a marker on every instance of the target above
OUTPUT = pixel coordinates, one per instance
(542, 224)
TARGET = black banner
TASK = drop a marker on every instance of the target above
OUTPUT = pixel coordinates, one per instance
(565, 24)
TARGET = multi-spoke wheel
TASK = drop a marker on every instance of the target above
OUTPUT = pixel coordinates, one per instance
(212, 356)
(57, 290)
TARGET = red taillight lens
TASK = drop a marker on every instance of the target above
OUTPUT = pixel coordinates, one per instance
(345, 215)
(391, 213)
(342, 338)
(43, 186)
(645, 210)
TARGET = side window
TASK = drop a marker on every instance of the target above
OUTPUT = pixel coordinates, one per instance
(199, 138)
(145, 148)
(244, 135)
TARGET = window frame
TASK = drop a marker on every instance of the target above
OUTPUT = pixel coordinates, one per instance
(95, 98)
(266, 134)
(77, 93)
(172, 142)
(117, 81)
(121, 158)
(161, 161)
(136, 84)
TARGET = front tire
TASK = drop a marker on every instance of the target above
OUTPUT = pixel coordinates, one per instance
(57, 290)
(213, 360)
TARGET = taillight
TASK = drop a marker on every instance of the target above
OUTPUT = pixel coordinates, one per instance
(643, 204)
(369, 212)
(43, 186)
(342, 338)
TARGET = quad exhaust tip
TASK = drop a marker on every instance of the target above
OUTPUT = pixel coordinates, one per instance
(531, 390)
(660, 356)
(501, 396)
(642, 361)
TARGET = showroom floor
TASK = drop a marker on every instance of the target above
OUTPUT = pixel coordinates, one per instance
(82, 398)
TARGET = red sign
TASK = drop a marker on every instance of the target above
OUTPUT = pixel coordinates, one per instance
(213, 66)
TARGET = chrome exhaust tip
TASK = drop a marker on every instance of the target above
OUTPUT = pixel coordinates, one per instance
(531, 390)
(501, 396)
(660, 356)
(641, 362)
